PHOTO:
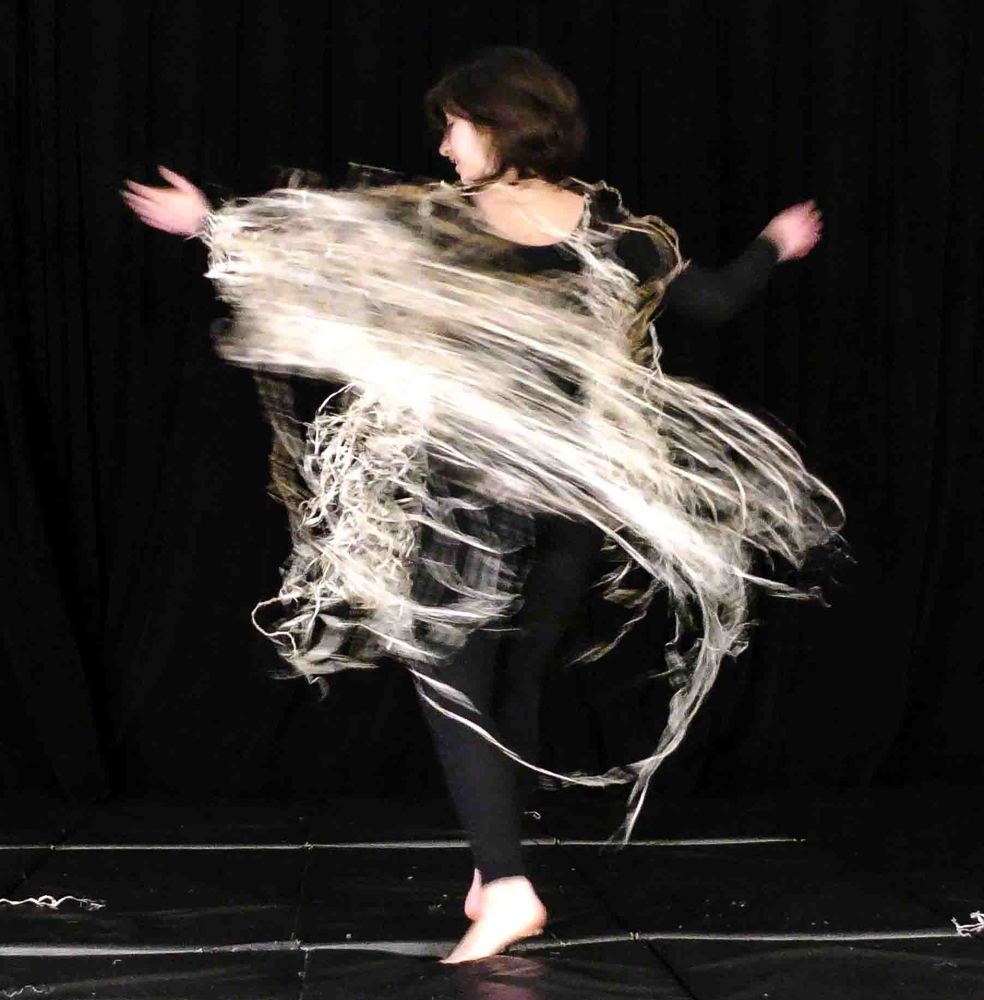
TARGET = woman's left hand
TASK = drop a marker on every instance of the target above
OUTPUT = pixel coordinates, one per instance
(796, 231)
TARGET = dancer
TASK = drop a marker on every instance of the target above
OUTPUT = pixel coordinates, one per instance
(501, 446)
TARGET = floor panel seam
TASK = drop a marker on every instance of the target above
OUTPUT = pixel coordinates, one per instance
(434, 946)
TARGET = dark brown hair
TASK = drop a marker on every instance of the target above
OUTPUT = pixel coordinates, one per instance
(531, 110)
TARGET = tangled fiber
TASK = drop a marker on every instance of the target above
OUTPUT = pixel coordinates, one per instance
(528, 392)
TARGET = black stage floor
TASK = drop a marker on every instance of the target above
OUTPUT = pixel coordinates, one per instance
(771, 897)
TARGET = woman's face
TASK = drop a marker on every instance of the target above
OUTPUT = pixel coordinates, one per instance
(468, 148)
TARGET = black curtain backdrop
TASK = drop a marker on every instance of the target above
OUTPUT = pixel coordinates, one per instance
(137, 534)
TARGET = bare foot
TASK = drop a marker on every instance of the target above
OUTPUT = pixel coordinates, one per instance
(510, 910)
(473, 901)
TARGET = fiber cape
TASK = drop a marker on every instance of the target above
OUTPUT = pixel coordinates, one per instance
(531, 393)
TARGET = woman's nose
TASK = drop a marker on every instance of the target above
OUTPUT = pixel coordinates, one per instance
(444, 149)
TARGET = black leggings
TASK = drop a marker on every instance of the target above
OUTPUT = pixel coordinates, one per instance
(501, 671)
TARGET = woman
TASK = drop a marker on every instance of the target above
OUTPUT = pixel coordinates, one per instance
(513, 130)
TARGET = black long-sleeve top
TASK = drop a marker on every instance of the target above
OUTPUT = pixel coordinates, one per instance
(708, 296)
(713, 296)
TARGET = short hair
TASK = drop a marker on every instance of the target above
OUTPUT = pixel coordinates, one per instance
(531, 110)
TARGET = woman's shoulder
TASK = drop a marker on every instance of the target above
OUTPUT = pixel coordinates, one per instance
(644, 244)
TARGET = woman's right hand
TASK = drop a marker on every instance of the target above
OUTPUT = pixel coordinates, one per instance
(178, 208)
(796, 231)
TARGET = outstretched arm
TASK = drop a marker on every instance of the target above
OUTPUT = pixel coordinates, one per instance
(180, 207)
(712, 297)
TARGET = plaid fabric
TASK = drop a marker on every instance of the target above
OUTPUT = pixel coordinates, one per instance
(511, 534)
(499, 569)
